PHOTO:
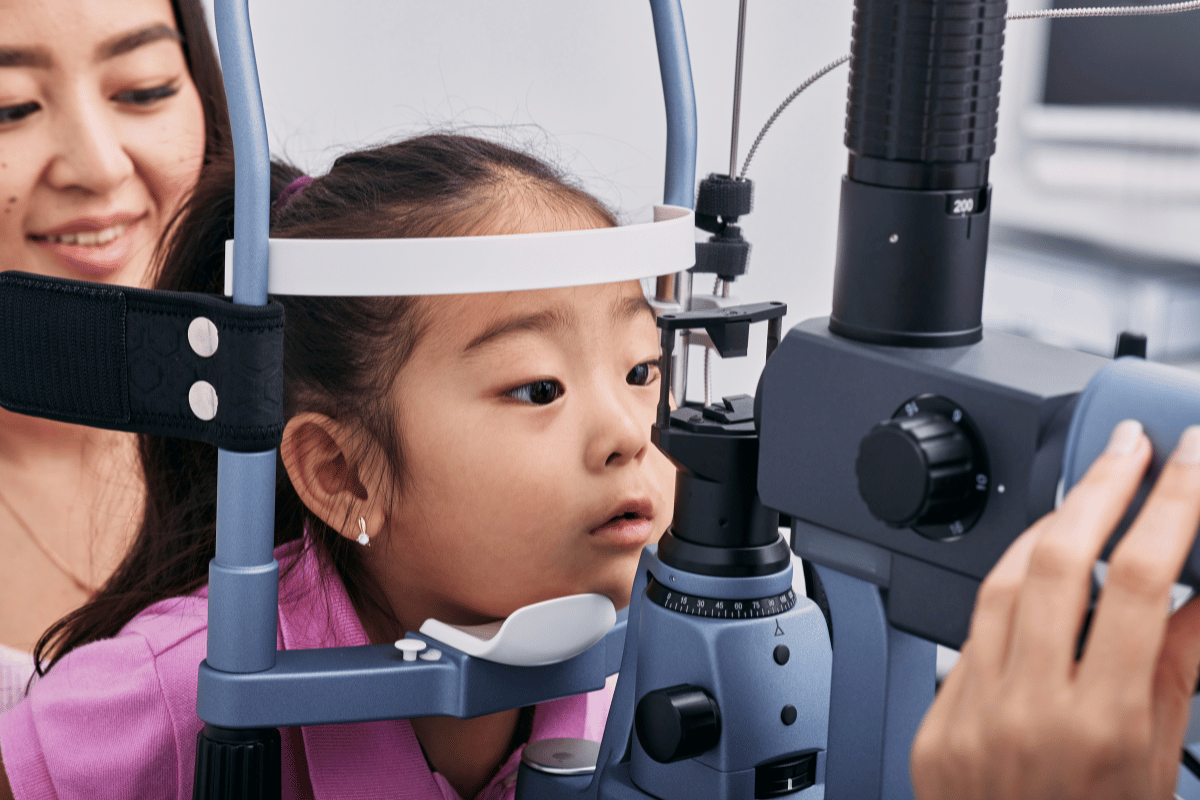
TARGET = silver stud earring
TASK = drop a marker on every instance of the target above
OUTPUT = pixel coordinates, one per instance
(363, 539)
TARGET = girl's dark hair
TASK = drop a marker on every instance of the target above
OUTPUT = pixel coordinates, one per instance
(205, 69)
(341, 355)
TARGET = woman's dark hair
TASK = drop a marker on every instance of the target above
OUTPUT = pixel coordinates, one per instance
(341, 355)
(205, 69)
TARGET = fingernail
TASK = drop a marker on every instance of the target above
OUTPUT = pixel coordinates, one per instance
(1125, 438)
(1187, 452)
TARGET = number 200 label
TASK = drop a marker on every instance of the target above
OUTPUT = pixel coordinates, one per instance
(964, 205)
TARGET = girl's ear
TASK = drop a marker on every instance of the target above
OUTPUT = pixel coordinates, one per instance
(328, 474)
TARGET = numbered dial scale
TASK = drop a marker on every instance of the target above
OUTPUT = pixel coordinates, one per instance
(925, 469)
(714, 608)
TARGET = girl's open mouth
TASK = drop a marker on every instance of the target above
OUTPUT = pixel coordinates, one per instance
(631, 526)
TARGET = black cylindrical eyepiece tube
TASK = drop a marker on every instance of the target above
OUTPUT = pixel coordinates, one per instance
(920, 126)
(924, 92)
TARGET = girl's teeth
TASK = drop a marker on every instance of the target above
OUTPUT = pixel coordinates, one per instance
(90, 238)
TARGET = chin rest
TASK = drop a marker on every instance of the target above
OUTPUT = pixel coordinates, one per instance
(535, 635)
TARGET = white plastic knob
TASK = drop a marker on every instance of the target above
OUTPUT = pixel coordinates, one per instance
(410, 647)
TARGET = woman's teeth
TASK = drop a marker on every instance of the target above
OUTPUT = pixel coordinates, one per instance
(89, 238)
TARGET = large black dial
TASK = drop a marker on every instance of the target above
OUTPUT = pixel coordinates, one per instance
(925, 469)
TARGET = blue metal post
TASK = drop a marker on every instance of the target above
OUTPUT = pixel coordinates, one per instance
(244, 576)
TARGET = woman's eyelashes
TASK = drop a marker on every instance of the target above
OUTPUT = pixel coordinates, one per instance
(147, 97)
(17, 112)
(643, 374)
(538, 393)
(142, 98)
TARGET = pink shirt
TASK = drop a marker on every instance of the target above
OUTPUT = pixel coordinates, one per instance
(117, 718)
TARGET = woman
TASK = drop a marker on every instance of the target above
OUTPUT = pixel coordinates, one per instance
(108, 110)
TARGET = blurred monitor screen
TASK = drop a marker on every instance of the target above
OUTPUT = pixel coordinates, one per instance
(1147, 62)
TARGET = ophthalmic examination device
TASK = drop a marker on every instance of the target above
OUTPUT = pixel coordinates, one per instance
(905, 446)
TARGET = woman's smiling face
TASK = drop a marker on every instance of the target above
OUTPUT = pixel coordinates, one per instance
(101, 135)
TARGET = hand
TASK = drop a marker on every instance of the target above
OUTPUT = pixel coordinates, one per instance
(1018, 716)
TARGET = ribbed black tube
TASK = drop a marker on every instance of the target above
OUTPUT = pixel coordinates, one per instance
(237, 764)
(920, 126)
(924, 92)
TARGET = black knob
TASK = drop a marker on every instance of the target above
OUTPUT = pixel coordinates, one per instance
(917, 470)
(677, 723)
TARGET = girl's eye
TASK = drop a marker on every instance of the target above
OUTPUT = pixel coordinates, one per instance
(14, 113)
(538, 393)
(643, 374)
(145, 97)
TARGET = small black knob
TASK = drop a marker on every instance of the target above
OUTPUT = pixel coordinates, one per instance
(677, 723)
(917, 470)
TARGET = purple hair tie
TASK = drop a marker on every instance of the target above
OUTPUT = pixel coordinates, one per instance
(294, 188)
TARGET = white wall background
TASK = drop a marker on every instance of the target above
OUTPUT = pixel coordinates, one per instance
(578, 83)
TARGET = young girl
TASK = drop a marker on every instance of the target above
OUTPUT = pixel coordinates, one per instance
(495, 450)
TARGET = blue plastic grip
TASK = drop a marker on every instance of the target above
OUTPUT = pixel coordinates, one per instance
(1165, 399)
(680, 96)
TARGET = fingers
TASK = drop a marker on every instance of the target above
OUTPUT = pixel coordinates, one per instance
(996, 602)
(1057, 584)
(1175, 679)
(1131, 617)
(1180, 662)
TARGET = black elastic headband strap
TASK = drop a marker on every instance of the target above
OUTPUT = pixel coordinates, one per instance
(175, 364)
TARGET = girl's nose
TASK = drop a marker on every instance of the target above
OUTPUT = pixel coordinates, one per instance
(620, 432)
(90, 155)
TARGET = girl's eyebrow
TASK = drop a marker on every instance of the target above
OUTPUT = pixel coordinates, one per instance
(626, 308)
(120, 44)
(551, 320)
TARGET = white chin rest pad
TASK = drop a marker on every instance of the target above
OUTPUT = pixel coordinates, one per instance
(543, 633)
(473, 264)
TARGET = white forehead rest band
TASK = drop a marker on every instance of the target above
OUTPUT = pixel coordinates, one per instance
(472, 264)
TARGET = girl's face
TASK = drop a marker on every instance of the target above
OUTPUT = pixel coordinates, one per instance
(525, 421)
(101, 135)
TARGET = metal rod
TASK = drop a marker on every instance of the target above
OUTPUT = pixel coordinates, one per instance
(737, 89)
(774, 333)
(243, 578)
(666, 368)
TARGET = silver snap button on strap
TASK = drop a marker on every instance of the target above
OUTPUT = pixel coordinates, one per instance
(202, 397)
(202, 336)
